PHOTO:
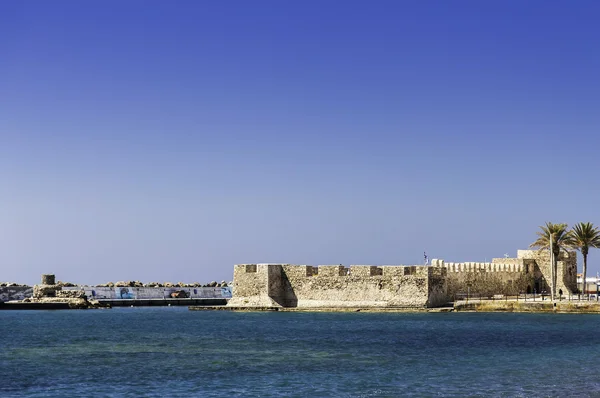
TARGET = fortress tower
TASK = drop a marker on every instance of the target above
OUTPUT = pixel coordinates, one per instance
(529, 272)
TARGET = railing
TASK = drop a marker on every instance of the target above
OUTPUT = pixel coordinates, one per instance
(545, 296)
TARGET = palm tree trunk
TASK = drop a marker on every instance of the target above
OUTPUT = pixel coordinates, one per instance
(555, 274)
(584, 273)
(552, 274)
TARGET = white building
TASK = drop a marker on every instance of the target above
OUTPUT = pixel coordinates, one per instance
(592, 284)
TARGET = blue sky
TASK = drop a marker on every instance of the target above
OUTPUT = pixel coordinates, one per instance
(156, 140)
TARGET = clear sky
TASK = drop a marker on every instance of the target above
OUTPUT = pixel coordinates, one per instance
(169, 140)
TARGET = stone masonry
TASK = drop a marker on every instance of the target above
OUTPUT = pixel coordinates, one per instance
(529, 272)
(329, 286)
(369, 286)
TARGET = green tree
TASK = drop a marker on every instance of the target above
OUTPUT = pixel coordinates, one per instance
(584, 236)
(557, 237)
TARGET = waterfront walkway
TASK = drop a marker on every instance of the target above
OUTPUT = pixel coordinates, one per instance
(570, 305)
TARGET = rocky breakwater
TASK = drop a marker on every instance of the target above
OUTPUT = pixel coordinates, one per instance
(11, 284)
(163, 284)
(51, 293)
(10, 291)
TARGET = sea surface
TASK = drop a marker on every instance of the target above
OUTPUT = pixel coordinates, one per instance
(152, 352)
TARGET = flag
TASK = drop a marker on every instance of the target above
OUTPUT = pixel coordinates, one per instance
(425, 257)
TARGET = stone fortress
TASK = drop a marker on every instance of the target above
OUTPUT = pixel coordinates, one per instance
(414, 286)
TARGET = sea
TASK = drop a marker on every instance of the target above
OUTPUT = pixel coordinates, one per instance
(170, 351)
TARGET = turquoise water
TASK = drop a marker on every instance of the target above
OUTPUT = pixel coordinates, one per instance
(172, 351)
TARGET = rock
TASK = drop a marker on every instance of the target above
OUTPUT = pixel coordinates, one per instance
(212, 284)
(71, 294)
(40, 291)
(168, 284)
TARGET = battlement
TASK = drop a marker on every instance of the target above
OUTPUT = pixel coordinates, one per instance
(486, 267)
(287, 285)
(525, 264)
(544, 254)
(269, 285)
(329, 271)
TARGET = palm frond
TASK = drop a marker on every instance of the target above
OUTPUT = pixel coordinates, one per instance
(584, 235)
(557, 233)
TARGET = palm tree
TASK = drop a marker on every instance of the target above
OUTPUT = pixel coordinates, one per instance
(584, 236)
(553, 236)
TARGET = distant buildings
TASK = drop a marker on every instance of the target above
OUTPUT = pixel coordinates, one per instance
(591, 284)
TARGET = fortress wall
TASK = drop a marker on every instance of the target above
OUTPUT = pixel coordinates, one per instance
(569, 273)
(438, 287)
(566, 268)
(298, 271)
(253, 284)
(275, 283)
(364, 286)
(356, 291)
(328, 271)
(507, 260)
(486, 267)
(504, 280)
(365, 270)
(510, 277)
(392, 271)
(247, 280)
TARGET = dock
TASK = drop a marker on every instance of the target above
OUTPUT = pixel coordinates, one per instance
(164, 302)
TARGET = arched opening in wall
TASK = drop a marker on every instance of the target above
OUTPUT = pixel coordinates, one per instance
(559, 292)
(528, 289)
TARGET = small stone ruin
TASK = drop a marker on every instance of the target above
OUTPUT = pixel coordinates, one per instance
(51, 292)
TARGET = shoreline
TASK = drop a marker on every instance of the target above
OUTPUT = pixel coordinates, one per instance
(562, 307)
(318, 309)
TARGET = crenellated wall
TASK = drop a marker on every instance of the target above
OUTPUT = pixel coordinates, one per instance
(286, 285)
(338, 286)
(488, 279)
(527, 273)
(259, 285)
